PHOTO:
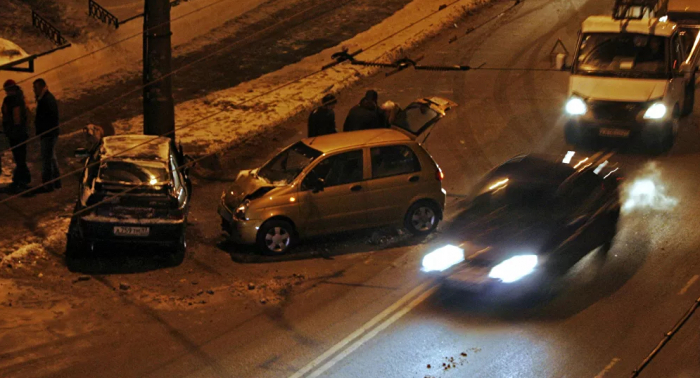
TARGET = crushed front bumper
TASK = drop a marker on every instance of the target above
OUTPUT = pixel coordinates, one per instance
(239, 231)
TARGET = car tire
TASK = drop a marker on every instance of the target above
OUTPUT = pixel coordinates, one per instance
(689, 98)
(75, 252)
(422, 218)
(178, 256)
(276, 237)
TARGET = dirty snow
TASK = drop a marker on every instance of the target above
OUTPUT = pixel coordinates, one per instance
(220, 119)
(137, 147)
(10, 52)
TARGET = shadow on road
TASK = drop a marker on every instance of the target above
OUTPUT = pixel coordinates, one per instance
(327, 247)
(115, 260)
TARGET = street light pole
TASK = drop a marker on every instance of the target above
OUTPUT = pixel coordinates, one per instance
(158, 108)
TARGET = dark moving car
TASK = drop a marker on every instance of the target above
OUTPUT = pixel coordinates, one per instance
(529, 221)
(135, 190)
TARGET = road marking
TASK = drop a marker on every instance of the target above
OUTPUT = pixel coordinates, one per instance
(608, 367)
(335, 348)
(688, 285)
(373, 333)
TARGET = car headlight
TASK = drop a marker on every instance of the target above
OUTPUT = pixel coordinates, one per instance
(576, 106)
(241, 210)
(443, 258)
(656, 111)
(514, 268)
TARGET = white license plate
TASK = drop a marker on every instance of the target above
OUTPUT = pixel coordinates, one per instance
(131, 231)
(620, 133)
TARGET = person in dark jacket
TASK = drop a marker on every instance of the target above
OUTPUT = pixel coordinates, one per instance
(322, 119)
(367, 115)
(14, 124)
(46, 122)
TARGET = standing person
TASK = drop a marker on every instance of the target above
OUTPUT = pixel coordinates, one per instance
(46, 123)
(322, 119)
(14, 124)
(366, 115)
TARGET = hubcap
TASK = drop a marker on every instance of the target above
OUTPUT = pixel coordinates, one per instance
(277, 239)
(423, 218)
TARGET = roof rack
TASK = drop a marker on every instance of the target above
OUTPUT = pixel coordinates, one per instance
(638, 9)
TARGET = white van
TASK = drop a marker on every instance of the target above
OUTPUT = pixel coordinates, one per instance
(630, 77)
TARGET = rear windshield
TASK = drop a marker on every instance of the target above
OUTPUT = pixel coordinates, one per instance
(135, 173)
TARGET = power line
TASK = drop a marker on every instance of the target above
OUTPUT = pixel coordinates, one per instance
(190, 64)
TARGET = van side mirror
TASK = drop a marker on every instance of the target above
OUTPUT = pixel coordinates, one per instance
(562, 62)
(81, 153)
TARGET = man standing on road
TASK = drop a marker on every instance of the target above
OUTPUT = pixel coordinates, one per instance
(366, 115)
(14, 124)
(322, 119)
(46, 122)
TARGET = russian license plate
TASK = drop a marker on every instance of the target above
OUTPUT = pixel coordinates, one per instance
(619, 133)
(131, 231)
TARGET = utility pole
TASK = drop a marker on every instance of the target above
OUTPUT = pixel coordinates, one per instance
(158, 108)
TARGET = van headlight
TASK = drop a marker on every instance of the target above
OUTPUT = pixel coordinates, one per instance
(656, 111)
(576, 106)
(514, 268)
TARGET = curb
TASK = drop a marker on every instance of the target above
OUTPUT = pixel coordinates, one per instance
(220, 119)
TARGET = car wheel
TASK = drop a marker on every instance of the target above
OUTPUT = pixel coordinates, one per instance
(178, 256)
(689, 100)
(75, 252)
(276, 237)
(422, 218)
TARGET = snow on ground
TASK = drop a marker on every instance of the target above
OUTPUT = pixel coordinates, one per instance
(220, 119)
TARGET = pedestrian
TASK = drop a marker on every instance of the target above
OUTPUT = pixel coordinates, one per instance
(14, 124)
(46, 123)
(322, 119)
(366, 115)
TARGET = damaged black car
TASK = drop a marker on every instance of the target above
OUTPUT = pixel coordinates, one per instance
(135, 191)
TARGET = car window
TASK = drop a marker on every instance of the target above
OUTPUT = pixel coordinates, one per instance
(393, 160)
(678, 53)
(336, 170)
(134, 172)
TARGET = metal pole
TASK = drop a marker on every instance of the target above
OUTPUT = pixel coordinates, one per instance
(158, 108)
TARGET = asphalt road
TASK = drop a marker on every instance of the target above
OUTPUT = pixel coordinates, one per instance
(364, 309)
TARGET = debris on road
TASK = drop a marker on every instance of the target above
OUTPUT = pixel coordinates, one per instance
(251, 286)
(124, 286)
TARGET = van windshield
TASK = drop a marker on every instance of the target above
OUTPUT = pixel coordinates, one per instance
(288, 164)
(622, 55)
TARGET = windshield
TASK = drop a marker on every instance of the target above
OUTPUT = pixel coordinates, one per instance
(132, 172)
(626, 55)
(283, 168)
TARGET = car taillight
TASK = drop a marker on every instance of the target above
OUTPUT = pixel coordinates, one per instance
(439, 175)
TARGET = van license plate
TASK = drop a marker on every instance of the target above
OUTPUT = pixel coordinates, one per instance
(131, 231)
(620, 133)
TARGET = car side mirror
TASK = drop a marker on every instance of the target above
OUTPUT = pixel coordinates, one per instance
(81, 153)
(318, 185)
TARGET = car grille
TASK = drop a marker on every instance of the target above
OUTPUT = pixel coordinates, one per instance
(615, 110)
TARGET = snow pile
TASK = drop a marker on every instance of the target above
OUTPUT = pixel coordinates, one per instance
(220, 119)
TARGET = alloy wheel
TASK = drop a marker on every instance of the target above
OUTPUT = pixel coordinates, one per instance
(423, 218)
(277, 239)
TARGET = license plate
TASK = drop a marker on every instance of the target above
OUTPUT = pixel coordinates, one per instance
(619, 133)
(131, 231)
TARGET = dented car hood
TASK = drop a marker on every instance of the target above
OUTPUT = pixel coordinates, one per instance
(247, 186)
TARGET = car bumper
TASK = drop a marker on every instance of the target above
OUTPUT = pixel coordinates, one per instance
(239, 231)
(167, 233)
(476, 280)
(620, 129)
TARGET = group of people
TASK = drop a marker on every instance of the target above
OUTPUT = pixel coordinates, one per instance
(363, 116)
(15, 118)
